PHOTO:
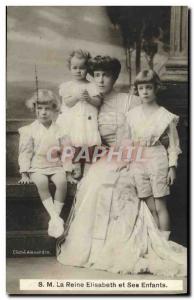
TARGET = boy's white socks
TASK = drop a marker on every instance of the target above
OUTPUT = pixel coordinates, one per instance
(56, 224)
(49, 205)
(58, 206)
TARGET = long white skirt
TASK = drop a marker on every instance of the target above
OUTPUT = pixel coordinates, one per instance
(113, 230)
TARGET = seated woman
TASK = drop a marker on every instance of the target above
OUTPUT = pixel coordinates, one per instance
(112, 229)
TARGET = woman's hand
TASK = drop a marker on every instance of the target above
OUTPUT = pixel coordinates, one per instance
(25, 179)
(171, 176)
(71, 179)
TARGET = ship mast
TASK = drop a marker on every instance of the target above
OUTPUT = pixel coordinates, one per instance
(36, 82)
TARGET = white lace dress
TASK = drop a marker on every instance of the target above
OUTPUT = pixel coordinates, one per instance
(80, 122)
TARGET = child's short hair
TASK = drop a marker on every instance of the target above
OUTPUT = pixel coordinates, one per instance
(146, 76)
(79, 53)
(46, 97)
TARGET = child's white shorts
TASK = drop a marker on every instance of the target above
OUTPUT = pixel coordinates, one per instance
(150, 174)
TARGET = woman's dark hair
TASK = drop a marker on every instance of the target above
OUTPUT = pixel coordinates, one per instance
(146, 76)
(104, 63)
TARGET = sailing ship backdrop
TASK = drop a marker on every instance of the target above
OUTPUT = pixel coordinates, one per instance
(155, 37)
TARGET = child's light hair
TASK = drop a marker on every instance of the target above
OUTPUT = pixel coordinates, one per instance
(46, 97)
(79, 53)
(146, 76)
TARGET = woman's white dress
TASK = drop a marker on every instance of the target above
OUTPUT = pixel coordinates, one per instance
(112, 229)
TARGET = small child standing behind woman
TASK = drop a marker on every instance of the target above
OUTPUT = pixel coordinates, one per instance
(80, 102)
(148, 123)
(40, 141)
